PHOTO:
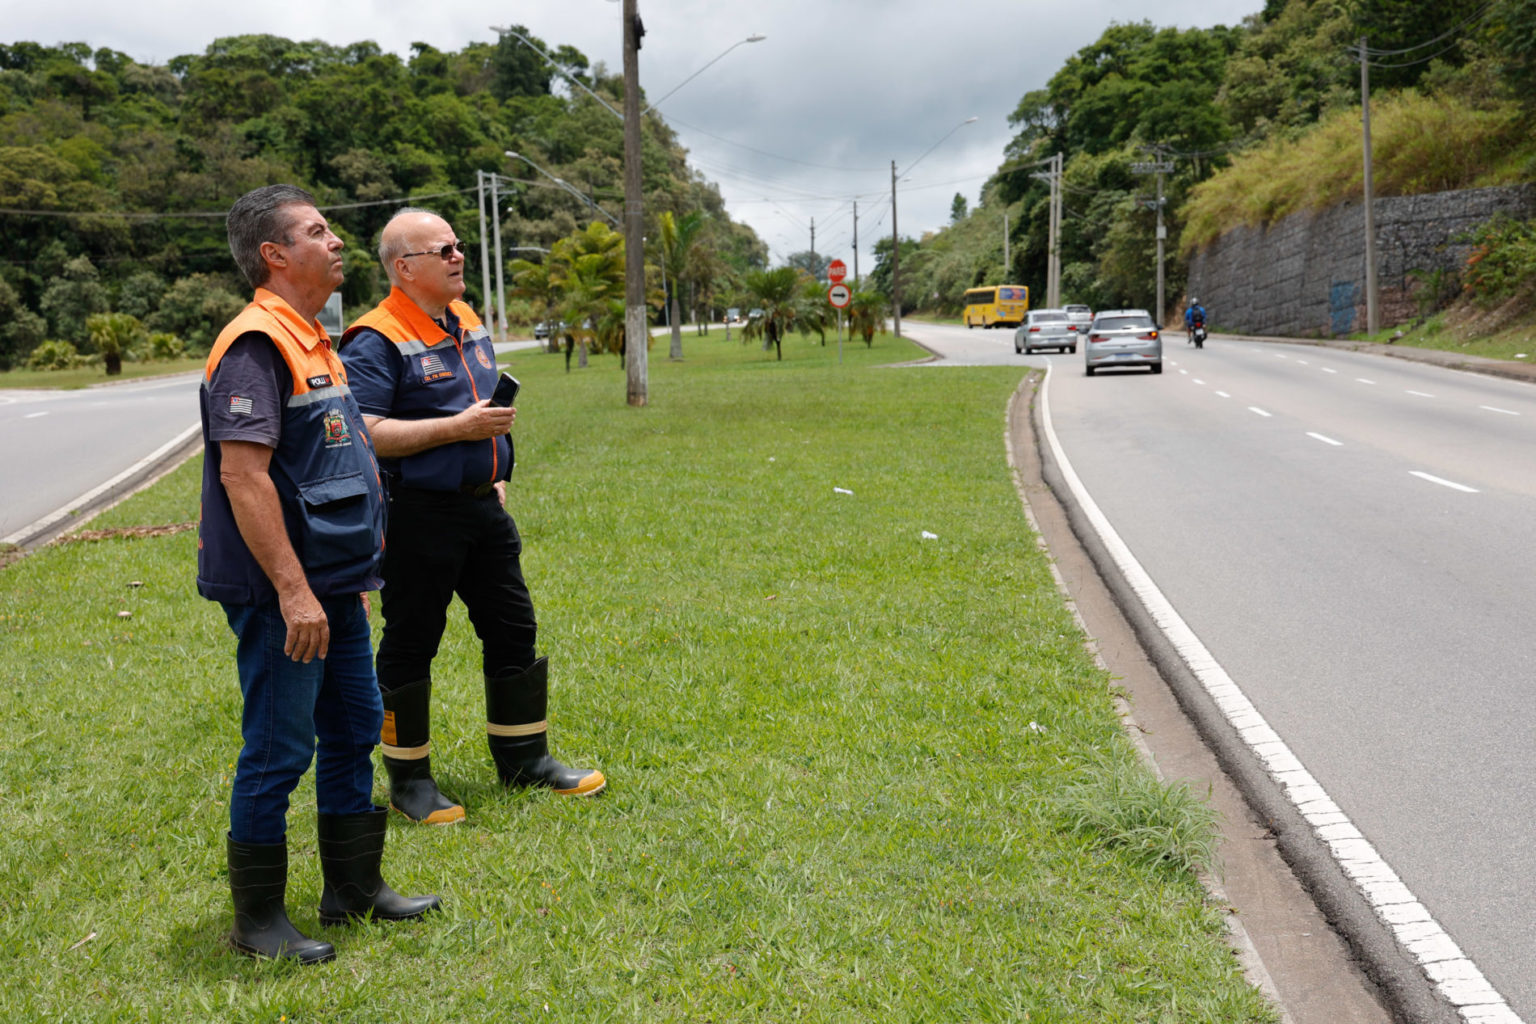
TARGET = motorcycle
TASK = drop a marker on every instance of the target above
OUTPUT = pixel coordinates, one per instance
(1197, 332)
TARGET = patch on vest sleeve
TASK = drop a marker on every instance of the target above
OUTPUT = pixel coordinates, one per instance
(240, 406)
(485, 360)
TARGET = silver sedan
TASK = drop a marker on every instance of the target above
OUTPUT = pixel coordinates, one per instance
(1123, 337)
(1045, 328)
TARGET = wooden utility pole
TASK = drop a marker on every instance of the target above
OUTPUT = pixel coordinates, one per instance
(635, 332)
(895, 257)
(855, 239)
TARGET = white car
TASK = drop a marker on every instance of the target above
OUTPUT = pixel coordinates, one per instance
(1045, 328)
(1123, 338)
(1080, 315)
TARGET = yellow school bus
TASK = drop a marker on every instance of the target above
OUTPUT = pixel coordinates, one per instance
(998, 305)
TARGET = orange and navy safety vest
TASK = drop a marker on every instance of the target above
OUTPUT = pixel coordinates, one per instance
(324, 469)
(407, 366)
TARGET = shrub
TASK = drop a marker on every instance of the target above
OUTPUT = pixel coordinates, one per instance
(1503, 261)
(54, 355)
(1124, 805)
(166, 346)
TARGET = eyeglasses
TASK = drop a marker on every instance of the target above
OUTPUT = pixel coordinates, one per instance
(446, 252)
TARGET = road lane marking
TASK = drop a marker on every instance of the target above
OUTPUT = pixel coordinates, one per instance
(35, 415)
(1223, 394)
(1184, 371)
(1494, 408)
(1443, 963)
(1421, 394)
(1199, 381)
(1362, 380)
(1303, 362)
(1326, 440)
(1261, 412)
(1453, 485)
(1329, 369)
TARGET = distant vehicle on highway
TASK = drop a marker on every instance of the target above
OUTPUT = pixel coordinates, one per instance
(732, 316)
(1123, 337)
(997, 305)
(541, 330)
(754, 314)
(1080, 315)
(1045, 328)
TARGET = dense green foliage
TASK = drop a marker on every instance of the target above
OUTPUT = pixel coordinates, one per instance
(114, 175)
(1258, 120)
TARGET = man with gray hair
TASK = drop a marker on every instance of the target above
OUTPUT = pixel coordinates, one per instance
(424, 371)
(289, 543)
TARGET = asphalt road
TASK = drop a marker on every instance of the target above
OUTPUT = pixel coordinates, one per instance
(57, 445)
(1345, 534)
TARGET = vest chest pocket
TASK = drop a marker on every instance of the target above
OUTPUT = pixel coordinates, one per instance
(338, 521)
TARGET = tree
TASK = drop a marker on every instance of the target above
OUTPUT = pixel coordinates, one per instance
(866, 314)
(21, 330)
(196, 308)
(679, 237)
(776, 293)
(113, 334)
(73, 296)
(958, 208)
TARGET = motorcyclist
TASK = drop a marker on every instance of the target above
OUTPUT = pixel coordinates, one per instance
(1194, 314)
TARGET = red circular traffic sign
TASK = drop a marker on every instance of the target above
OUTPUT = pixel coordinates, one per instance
(836, 271)
(839, 295)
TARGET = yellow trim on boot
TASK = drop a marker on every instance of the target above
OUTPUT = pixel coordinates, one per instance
(526, 729)
(591, 784)
(444, 816)
(406, 753)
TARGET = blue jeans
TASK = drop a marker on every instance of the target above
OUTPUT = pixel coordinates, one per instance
(290, 705)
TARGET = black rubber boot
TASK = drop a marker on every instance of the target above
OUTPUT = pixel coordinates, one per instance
(351, 848)
(515, 706)
(258, 881)
(407, 756)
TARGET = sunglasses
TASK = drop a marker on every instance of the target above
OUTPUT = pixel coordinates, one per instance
(446, 252)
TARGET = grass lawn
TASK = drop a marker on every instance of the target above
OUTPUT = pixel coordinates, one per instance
(85, 376)
(855, 774)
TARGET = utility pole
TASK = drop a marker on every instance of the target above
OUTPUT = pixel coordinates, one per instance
(1007, 263)
(813, 239)
(1372, 313)
(1159, 168)
(635, 333)
(895, 257)
(855, 239)
(501, 291)
(1055, 261)
(485, 251)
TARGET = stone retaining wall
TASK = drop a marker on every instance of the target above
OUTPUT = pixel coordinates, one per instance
(1305, 275)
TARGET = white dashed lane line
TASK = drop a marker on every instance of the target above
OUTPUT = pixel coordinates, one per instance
(35, 415)
(1420, 394)
(1223, 394)
(1362, 380)
(1325, 440)
(1329, 369)
(1444, 483)
(1261, 412)
(1493, 408)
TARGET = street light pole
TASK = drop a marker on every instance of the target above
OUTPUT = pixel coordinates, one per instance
(485, 250)
(501, 290)
(586, 200)
(1372, 314)
(635, 333)
(753, 38)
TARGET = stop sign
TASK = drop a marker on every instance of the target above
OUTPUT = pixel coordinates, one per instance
(836, 271)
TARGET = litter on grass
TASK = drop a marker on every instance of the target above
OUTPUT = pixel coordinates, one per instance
(841, 490)
(930, 536)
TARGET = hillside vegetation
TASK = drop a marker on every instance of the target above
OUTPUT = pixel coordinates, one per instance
(1258, 120)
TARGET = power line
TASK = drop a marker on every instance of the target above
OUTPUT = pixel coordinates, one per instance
(1476, 16)
(207, 214)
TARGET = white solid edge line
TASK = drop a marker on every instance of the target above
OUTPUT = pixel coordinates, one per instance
(1445, 965)
(1325, 440)
(1453, 485)
(67, 509)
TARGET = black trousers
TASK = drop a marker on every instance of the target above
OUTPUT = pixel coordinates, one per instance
(442, 543)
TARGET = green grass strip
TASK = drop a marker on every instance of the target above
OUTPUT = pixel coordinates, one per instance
(856, 774)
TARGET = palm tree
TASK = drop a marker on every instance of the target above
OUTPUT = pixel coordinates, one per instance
(590, 290)
(866, 315)
(776, 293)
(679, 237)
(815, 311)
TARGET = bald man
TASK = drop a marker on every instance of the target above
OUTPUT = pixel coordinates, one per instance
(422, 369)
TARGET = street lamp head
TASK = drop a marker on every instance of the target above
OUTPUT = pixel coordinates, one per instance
(514, 156)
(756, 37)
(968, 120)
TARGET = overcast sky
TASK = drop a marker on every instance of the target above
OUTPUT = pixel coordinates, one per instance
(794, 128)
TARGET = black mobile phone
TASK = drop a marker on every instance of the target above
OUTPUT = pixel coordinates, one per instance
(506, 390)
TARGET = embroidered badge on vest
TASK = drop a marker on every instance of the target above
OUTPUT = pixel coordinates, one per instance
(322, 381)
(485, 360)
(336, 433)
(433, 368)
